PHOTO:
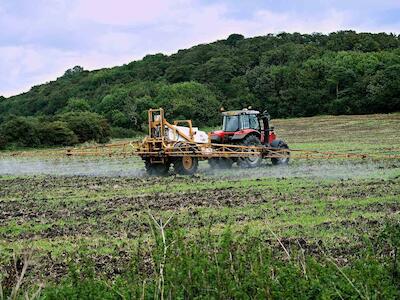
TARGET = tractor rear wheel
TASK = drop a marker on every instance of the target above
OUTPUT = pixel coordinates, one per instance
(280, 145)
(156, 169)
(186, 165)
(252, 161)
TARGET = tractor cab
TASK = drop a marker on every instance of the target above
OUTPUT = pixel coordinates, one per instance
(239, 124)
(236, 120)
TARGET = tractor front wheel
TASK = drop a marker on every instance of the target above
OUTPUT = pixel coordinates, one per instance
(186, 165)
(252, 161)
(280, 146)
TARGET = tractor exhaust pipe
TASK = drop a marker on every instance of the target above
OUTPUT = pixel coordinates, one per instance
(265, 117)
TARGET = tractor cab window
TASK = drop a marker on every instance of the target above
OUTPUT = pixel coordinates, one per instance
(245, 121)
(254, 124)
(231, 123)
(250, 121)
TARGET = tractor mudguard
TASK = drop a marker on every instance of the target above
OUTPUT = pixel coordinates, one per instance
(240, 135)
(276, 143)
(237, 136)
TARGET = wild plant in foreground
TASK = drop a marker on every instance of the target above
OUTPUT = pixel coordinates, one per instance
(14, 280)
(234, 265)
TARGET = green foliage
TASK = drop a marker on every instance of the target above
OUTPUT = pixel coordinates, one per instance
(3, 141)
(119, 132)
(57, 133)
(87, 126)
(189, 100)
(75, 104)
(21, 131)
(127, 106)
(33, 132)
(234, 39)
(384, 90)
(69, 129)
(75, 70)
(290, 75)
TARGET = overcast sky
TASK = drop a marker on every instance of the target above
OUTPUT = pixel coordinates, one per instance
(40, 39)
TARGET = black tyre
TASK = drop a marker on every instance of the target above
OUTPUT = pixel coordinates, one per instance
(186, 165)
(220, 163)
(251, 161)
(156, 169)
(279, 144)
(213, 163)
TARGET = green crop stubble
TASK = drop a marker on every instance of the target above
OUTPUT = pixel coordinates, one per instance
(293, 207)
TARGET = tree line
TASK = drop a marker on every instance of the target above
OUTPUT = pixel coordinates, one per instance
(290, 75)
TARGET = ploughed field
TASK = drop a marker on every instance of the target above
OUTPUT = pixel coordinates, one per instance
(99, 219)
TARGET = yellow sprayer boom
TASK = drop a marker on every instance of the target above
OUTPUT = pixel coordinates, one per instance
(184, 146)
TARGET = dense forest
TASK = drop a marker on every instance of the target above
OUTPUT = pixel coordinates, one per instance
(290, 75)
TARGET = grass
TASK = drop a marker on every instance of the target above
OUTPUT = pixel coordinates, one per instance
(234, 266)
(91, 236)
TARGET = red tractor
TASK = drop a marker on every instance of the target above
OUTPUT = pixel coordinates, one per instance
(249, 128)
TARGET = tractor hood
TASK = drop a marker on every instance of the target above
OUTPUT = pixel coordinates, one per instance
(217, 136)
(220, 136)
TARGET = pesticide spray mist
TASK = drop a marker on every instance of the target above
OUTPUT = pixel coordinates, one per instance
(133, 167)
(307, 169)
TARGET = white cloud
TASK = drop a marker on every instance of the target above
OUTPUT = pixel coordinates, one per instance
(116, 42)
(212, 22)
(24, 66)
(276, 22)
(60, 34)
(122, 12)
(20, 66)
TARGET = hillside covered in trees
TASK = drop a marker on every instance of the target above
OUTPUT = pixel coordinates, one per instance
(290, 75)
